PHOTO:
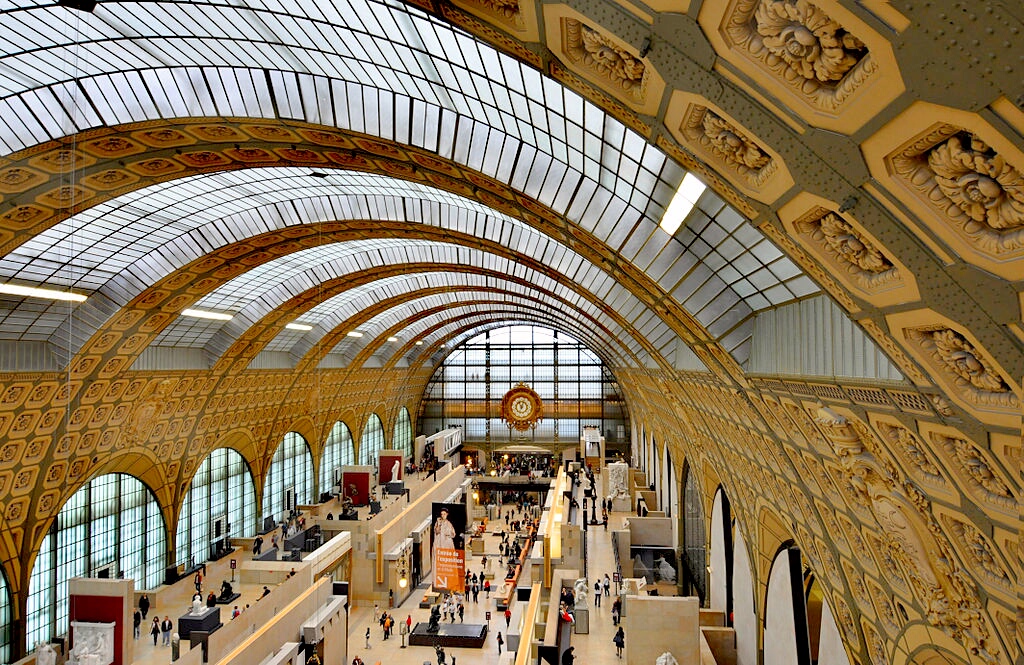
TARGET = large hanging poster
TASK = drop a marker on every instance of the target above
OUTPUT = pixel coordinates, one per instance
(447, 546)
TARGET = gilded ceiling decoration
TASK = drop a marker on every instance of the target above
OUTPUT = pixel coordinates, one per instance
(605, 59)
(799, 43)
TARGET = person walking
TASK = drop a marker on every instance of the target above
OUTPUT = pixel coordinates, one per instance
(137, 622)
(166, 626)
(408, 623)
(597, 593)
(568, 656)
(154, 630)
(144, 606)
(616, 611)
(198, 580)
(607, 583)
(367, 637)
(500, 642)
(508, 616)
(620, 641)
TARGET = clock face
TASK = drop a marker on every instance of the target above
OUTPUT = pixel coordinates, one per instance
(521, 407)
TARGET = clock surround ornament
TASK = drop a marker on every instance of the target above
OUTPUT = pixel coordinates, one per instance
(521, 408)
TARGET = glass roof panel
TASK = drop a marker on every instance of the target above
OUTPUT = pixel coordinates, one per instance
(374, 66)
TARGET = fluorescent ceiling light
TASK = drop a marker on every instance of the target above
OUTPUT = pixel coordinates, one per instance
(200, 314)
(354, 333)
(392, 339)
(297, 326)
(32, 292)
(682, 203)
(419, 342)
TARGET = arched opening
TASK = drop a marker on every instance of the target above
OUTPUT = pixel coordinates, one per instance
(339, 451)
(220, 504)
(575, 385)
(720, 575)
(785, 616)
(402, 437)
(743, 610)
(289, 479)
(111, 527)
(694, 580)
(826, 642)
(372, 441)
(5, 620)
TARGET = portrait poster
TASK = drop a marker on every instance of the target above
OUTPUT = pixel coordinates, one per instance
(448, 547)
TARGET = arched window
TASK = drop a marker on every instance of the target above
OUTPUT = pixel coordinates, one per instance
(694, 540)
(372, 441)
(402, 439)
(338, 452)
(5, 620)
(289, 479)
(220, 503)
(110, 527)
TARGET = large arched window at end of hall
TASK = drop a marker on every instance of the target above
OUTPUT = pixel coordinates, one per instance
(694, 539)
(402, 439)
(372, 441)
(575, 385)
(338, 452)
(220, 503)
(289, 479)
(110, 527)
(5, 620)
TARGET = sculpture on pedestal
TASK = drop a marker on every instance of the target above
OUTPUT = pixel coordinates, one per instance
(396, 469)
(434, 624)
(617, 485)
(581, 589)
(197, 606)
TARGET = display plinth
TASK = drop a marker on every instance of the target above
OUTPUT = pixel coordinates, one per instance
(622, 505)
(208, 620)
(449, 635)
(581, 619)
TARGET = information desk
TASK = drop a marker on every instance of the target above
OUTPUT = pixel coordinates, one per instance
(208, 620)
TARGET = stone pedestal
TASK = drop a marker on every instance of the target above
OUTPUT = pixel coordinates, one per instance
(582, 625)
(622, 505)
(656, 624)
(208, 621)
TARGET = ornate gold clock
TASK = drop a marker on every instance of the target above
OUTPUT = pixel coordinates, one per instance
(521, 408)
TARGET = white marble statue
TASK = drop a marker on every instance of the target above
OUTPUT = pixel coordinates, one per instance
(45, 655)
(94, 643)
(617, 485)
(396, 468)
(197, 606)
(582, 589)
(666, 659)
(664, 569)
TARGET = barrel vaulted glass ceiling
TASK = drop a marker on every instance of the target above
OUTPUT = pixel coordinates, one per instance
(379, 68)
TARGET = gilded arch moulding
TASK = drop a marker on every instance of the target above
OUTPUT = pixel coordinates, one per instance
(819, 58)
(600, 57)
(716, 137)
(851, 254)
(962, 178)
(959, 363)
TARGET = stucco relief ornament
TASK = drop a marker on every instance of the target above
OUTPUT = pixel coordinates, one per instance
(962, 359)
(505, 8)
(731, 145)
(813, 45)
(852, 247)
(980, 182)
(911, 538)
(614, 62)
